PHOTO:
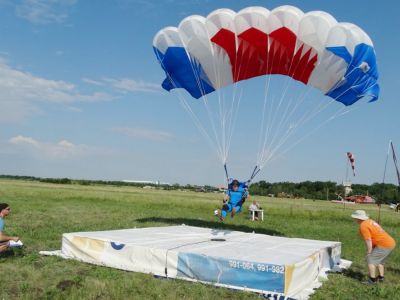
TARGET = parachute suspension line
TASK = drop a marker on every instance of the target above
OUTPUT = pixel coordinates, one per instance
(345, 109)
(193, 116)
(272, 155)
(282, 140)
(306, 118)
(286, 115)
(292, 127)
(228, 112)
(231, 113)
(262, 134)
(213, 126)
(237, 72)
(283, 97)
(266, 128)
(231, 117)
(188, 109)
(313, 130)
(337, 84)
(297, 101)
(302, 122)
(274, 120)
(349, 88)
(271, 142)
(235, 101)
(197, 122)
(220, 115)
(199, 83)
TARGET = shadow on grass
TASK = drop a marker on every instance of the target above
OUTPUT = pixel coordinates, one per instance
(394, 270)
(357, 275)
(209, 224)
(12, 253)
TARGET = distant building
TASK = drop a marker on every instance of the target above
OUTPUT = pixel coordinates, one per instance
(145, 182)
(363, 199)
(347, 188)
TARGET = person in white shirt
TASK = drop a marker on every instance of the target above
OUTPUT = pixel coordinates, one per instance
(255, 206)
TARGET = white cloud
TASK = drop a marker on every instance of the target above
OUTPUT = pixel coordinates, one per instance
(50, 151)
(125, 85)
(21, 140)
(143, 133)
(44, 11)
(73, 109)
(130, 85)
(94, 82)
(21, 92)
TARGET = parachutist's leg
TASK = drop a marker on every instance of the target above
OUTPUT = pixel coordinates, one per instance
(225, 209)
(236, 210)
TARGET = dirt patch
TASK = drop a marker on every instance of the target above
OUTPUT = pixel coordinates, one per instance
(67, 284)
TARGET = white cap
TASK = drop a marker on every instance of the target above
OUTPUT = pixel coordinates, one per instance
(360, 215)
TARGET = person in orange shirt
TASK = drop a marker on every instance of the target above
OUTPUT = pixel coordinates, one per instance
(379, 245)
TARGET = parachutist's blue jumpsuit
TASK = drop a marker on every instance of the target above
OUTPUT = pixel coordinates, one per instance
(236, 199)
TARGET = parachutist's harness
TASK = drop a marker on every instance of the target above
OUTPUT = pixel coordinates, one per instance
(242, 185)
(244, 195)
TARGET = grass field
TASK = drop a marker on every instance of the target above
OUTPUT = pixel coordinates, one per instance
(41, 213)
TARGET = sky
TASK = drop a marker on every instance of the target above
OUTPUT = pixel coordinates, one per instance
(81, 97)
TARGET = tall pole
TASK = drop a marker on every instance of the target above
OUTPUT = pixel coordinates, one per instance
(383, 184)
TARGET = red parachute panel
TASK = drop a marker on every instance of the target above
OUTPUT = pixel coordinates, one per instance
(259, 54)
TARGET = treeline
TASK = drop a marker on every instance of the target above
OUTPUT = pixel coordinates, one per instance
(196, 188)
(325, 190)
(75, 181)
(318, 190)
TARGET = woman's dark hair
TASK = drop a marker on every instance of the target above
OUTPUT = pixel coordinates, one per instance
(235, 182)
(3, 206)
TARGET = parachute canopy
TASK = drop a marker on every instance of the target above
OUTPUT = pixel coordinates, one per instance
(202, 55)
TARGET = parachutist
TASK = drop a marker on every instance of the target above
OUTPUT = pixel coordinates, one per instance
(234, 197)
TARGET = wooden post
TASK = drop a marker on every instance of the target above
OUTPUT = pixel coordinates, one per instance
(379, 214)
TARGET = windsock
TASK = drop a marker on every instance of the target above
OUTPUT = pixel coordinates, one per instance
(352, 162)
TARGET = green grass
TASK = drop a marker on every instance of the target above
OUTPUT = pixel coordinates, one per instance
(41, 213)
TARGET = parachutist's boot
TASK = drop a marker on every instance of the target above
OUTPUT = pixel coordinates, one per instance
(218, 215)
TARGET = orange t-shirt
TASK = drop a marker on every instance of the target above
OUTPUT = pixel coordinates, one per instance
(370, 230)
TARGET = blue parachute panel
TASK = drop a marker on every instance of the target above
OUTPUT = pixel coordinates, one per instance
(182, 72)
(360, 79)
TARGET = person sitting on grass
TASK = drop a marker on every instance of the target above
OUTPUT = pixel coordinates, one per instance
(234, 197)
(379, 245)
(5, 239)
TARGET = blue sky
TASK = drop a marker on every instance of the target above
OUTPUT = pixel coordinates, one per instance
(80, 97)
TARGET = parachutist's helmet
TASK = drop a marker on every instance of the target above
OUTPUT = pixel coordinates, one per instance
(235, 182)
